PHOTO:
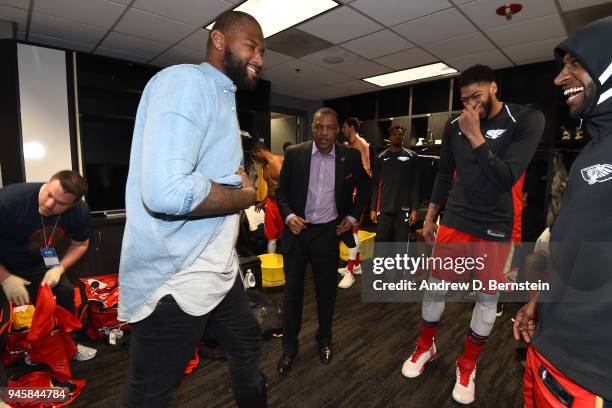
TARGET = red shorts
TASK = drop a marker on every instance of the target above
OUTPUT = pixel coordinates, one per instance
(554, 388)
(460, 256)
(273, 222)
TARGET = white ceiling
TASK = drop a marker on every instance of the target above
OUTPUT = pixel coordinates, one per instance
(371, 36)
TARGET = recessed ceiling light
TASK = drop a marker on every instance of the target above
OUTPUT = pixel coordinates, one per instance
(333, 60)
(412, 74)
(275, 16)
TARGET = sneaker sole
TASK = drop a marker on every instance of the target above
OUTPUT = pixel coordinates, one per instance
(432, 358)
(463, 402)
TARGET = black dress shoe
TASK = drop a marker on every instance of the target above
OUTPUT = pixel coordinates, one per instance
(326, 354)
(284, 364)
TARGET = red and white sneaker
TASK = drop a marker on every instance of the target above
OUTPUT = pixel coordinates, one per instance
(413, 367)
(465, 386)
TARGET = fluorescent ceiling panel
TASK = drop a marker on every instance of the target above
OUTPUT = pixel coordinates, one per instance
(412, 74)
(275, 16)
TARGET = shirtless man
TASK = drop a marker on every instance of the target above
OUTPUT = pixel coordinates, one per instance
(350, 129)
(272, 164)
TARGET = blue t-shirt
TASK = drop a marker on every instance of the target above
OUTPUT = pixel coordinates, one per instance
(21, 228)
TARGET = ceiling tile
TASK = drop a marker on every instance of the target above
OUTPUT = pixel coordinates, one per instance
(131, 45)
(468, 44)
(541, 28)
(22, 4)
(301, 71)
(56, 42)
(420, 31)
(279, 74)
(196, 41)
(576, 4)
(413, 57)
(482, 12)
(353, 65)
(493, 58)
(356, 87)
(296, 43)
(17, 15)
(299, 86)
(273, 58)
(320, 94)
(147, 25)
(195, 12)
(539, 50)
(124, 2)
(48, 26)
(180, 55)
(99, 13)
(339, 25)
(374, 45)
(121, 55)
(391, 12)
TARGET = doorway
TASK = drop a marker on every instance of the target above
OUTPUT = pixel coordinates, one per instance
(285, 127)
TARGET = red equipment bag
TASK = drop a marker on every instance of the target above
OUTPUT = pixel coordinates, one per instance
(101, 294)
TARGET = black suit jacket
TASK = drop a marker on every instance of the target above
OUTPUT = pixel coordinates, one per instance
(292, 190)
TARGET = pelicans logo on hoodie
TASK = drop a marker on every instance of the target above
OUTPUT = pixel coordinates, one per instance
(597, 173)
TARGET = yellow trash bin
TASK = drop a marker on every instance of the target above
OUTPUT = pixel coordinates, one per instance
(366, 250)
(272, 273)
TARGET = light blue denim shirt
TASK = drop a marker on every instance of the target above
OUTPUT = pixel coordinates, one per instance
(186, 135)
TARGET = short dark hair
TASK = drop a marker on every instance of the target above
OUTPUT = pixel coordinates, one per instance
(71, 182)
(229, 20)
(259, 146)
(476, 74)
(325, 111)
(354, 123)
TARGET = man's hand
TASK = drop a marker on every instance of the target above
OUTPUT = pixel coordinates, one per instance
(53, 276)
(469, 123)
(260, 206)
(413, 217)
(525, 321)
(344, 226)
(374, 217)
(296, 224)
(15, 290)
(429, 231)
(246, 181)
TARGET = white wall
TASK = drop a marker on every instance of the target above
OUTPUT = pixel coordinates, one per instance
(44, 111)
(282, 130)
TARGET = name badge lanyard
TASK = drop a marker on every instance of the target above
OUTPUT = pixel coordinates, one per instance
(49, 254)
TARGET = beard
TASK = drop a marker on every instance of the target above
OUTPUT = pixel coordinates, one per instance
(236, 70)
(588, 102)
(488, 105)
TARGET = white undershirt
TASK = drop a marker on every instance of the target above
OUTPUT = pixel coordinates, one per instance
(199, 288)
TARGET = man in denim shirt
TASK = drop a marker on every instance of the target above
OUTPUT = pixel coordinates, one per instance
(178, 273)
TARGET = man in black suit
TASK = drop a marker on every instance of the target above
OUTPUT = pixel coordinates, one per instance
(315, 198)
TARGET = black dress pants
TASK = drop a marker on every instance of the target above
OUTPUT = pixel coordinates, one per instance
(317, 245)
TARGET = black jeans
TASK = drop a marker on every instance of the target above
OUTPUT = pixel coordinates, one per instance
(162, 344)
(318, 245)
